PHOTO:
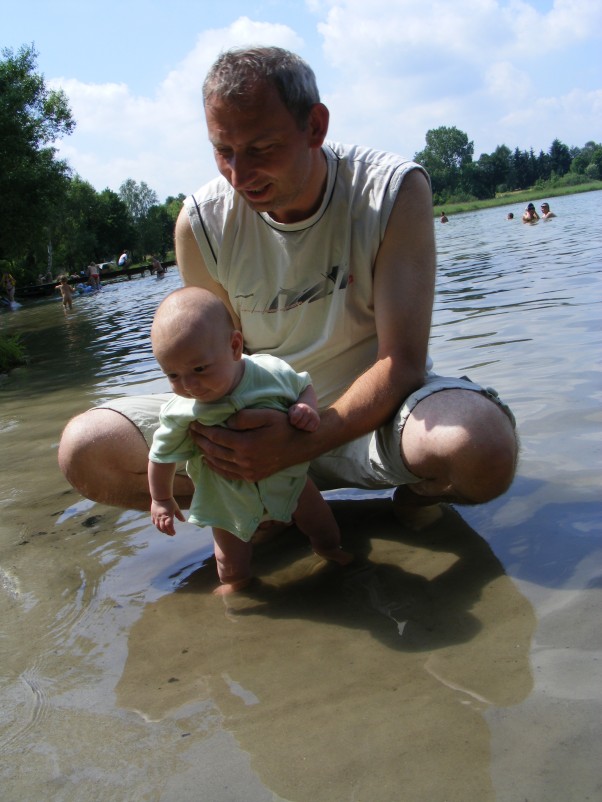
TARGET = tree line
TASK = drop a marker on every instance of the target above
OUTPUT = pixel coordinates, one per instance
(50, 218)
(49, 215)
(455, 177)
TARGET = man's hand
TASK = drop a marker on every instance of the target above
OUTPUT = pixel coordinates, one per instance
(256, 444)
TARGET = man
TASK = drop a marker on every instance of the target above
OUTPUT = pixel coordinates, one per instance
(324, 256)
(546, 214)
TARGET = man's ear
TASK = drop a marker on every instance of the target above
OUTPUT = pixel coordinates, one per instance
(237, 344)
(317, 125)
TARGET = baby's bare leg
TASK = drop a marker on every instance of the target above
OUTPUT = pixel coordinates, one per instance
(314, 518)
(233, 557)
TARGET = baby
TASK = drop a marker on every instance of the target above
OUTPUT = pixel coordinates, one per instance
(201, 353)
(66, 292)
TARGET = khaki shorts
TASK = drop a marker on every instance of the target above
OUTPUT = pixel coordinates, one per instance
(371, 462)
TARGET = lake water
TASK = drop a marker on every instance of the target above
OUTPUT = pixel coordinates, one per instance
(462, 662)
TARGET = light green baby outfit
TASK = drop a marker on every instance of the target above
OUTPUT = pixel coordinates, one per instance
(234, 505)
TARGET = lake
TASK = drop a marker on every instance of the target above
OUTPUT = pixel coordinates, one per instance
(461, 662)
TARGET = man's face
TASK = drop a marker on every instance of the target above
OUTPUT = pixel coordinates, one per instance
(261, 151)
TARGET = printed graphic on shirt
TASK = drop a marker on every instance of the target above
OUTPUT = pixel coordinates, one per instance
(338, 278)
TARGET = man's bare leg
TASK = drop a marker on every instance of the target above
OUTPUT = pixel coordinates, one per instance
(104, 456)
(463, 445)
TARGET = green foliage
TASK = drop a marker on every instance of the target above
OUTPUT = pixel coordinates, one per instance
(89, 226)
(139, 198)
(12, 352)
(447, 154)
(32, 179)
(457, 179)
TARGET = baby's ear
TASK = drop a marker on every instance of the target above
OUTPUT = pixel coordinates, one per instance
(236, 342)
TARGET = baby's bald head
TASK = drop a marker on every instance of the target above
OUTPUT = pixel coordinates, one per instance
(188, 315)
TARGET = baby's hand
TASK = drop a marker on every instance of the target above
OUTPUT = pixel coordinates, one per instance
(304, 417)
(163, 512)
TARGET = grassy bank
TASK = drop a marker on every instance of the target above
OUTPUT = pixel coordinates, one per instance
(12, 352)
(518, 197)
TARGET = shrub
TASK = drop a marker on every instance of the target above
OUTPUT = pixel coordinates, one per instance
(12, 352)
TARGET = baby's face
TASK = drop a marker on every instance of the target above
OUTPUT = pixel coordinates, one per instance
(206, 372)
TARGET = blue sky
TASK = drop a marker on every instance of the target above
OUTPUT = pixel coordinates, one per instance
(513, 72)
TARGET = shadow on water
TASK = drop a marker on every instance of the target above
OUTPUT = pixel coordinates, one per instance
(343, 683)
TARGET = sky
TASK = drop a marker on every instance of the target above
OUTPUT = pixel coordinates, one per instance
(519, 73)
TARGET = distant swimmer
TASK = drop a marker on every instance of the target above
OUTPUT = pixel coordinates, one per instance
(510, 216)
(530, 215)
(546, 214)
(443, 218)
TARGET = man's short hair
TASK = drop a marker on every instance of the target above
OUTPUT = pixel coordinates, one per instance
(238, 71)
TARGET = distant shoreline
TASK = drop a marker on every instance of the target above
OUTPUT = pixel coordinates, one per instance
(520, 196)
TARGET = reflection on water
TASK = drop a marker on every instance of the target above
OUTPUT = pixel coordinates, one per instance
(475, 641)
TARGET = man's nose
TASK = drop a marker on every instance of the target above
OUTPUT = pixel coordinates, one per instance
(240, 171)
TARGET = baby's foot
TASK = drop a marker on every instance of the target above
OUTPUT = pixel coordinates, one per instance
(335, 555)
(231, 587)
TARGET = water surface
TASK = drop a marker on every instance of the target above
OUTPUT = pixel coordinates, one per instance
(461, 662)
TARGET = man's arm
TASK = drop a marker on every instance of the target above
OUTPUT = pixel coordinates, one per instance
(404, 278)
(404, 281)
(191, 264)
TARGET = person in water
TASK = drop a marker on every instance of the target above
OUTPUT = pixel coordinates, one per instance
(201, 353)
(546, 214)
(530, 215)
(66, 291)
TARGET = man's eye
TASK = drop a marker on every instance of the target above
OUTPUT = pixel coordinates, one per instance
(200, 369)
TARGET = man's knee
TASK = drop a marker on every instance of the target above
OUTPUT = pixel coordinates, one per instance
(99, 446)
(463, 444)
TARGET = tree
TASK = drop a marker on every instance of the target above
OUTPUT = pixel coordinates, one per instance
(492, 173)
(32, 179)
(156, 231)
(115, 228)
(138, 198)
(560, 158)
(174, 205)
(590, 153)
(447, 152)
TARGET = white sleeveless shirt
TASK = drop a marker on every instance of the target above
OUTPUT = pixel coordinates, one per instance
(304, 291)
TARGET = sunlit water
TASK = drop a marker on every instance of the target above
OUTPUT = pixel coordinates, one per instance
(459, 663)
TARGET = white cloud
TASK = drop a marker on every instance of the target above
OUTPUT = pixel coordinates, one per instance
(390, 71)
(410, 66)
(161, 139)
